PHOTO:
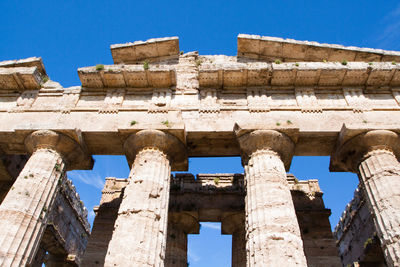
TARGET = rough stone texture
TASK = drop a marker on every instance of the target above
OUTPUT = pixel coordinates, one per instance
(356, 234)
(145, 203)
(234, 224)
(24, 211)
(272, 231)
(179, 226)
(213, 197)
(273, 48)
(151, 50)
(372, 155)
(199, 100)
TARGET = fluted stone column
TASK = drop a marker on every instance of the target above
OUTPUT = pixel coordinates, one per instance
(140, 230)
(23, 213)
(180, 224)
(372, 155)
(272, 231)
(234, 224)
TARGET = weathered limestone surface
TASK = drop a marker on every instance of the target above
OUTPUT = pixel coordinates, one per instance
(372, 155)
(356, 234)
(217, 197)
(24, 210)
(272, 231)
(179, 226)
(145, 205)
(234, 224)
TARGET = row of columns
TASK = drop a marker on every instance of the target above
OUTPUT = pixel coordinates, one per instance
(140, 235)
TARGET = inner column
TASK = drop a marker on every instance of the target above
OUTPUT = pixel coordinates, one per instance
(139, 236)
(272, 231)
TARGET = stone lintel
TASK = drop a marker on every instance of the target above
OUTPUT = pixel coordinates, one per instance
(20, 78)
(26, 62)
(238, 74)
(171, 145)
(128, 76)
(151, 50)
(354, 141)
(278, 139)
(273, 48)
(73, 152)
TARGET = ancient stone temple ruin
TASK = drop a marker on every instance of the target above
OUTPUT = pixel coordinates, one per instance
(276, 99)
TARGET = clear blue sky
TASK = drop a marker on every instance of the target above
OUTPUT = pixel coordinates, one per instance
(72, 34)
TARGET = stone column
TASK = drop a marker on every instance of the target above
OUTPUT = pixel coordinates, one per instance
(272, 231)
(24, 211)
(139, 235)
(180, 224)
(234, 224)
(372, 155)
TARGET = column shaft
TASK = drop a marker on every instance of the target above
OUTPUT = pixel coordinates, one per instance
(176, 250)
(23, 213)
(379, 173)
(140, 230)
(239, 247)
(273, 235)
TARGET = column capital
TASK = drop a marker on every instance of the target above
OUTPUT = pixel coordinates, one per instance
(231, 222)
(352, 147)
(73, 153)
(273, 140)
(163, 141)
(187, 221)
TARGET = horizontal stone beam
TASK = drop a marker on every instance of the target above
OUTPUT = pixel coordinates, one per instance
(151, 50)
(20, 78)
(26, 62)
(272, 48)
(132, 76)
(299, 74)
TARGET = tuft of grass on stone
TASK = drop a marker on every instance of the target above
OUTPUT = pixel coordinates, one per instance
(181, 53)
(133, 123)
(146, 65)
(278, 61)
(365, 121)
(394, 63)
(278, 124)
(370, 63)
(45, 78)
(344, 62)
(296, 64)
(324, 60)
(216, 181)
(99, 67)
(166, 123)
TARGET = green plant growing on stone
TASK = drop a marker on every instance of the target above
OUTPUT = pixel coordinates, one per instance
(394, 63)
(99, 67)
(146, 65)
(324, 60)
(278, 124)
(198, 62)
(278, 61)
(166, 123)
(133, 123)
(181, 53)
(370, 63)
(45, 78)
(289, 122)
(216, 181)
(365, 121)
(26, 177)
(296, 64)
(344, 62)
(57, 167)
(367, 242)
